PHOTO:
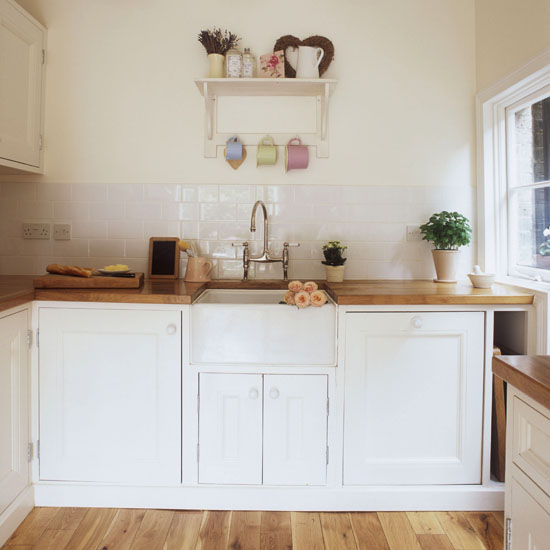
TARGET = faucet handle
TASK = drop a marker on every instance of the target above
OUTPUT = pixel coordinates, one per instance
(238, 245)
(286, 245)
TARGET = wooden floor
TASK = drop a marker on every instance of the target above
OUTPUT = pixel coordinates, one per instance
(122, 529)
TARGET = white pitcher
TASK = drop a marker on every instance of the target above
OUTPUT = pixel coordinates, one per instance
(308, 61)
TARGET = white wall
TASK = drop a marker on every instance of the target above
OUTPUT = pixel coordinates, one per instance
(508, 34)
(122, 106)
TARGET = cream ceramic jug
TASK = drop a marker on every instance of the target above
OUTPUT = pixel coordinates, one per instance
(308, 61)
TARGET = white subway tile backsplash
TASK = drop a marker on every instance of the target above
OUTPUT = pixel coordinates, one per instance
(114, 222)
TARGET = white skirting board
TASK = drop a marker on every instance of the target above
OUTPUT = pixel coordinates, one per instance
(15, 513)
(469, 497)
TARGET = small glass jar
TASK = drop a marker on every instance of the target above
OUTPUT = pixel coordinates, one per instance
(249, 64)
(234, 63)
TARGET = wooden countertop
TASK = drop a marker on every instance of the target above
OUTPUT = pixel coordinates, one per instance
(16, 290)
(529, 374)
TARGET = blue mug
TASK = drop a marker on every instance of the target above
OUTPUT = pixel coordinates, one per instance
(233, 149)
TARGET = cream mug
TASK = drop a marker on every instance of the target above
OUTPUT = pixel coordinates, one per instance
(198, 270)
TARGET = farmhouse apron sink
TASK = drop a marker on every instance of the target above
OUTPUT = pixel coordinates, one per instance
(251, 326)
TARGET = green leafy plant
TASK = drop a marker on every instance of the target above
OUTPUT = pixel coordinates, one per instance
(447, 230)
(333, 251)
(544, 248)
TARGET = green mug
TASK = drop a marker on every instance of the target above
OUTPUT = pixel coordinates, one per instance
(267, 152)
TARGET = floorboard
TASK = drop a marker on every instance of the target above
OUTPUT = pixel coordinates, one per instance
(136, 529)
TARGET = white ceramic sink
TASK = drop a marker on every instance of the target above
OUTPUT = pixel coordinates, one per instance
(251, 327)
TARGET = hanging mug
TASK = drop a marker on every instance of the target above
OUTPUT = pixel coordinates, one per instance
(267, 152)
(233, 149)
(198, 270)
(308, 61)
(296, 156)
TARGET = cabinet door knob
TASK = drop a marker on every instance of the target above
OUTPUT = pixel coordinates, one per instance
(253, 393)
(171, 329)
(274, 393)
(417, 322)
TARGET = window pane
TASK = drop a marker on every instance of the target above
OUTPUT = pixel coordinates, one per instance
(532, 207)
(532, 139)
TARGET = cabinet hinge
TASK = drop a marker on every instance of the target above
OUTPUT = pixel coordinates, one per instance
(43, 57)
(29, 452)
(29, 338)
(508, 534)
(40, 142)
(327, 454)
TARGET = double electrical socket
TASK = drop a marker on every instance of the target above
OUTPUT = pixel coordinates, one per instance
(61, 231)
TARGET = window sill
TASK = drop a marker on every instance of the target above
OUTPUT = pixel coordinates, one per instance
(527, 284)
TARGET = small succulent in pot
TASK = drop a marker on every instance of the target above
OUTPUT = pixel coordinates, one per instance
(448, 231)
(334, 261)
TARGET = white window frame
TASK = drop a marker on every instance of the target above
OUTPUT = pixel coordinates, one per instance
(493, 207)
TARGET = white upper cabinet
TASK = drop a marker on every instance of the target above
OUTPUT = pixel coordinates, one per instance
(413, 398)
(110, 395)
(14, 430)
(22, 42)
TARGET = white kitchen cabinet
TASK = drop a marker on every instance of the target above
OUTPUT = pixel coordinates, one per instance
(269, 429)
(230, 428)
(413, 398)
(110, 395)
(22, 43)
(14, 429)
(295, 429)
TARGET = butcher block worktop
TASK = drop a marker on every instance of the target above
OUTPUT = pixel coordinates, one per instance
(16, 290)
(529, 374)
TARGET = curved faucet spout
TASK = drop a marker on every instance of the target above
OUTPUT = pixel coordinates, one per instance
(266, 226)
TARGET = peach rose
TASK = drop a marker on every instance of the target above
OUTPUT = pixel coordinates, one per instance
(310, 286)
(318, 298)
(302, 299)
(295, 286)
(289, 298)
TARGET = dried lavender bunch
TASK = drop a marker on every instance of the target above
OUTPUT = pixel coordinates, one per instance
(218, 41)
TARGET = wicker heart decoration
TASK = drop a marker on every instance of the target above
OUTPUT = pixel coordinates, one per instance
(288, 41)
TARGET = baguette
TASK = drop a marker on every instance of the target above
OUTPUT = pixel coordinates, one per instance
(69, 270)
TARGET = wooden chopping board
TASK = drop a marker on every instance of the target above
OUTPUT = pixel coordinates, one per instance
(95, 281)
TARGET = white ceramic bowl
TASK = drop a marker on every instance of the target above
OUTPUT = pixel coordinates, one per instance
(482, 280)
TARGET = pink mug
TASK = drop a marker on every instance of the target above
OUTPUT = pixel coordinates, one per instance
(296, 156)
(198, 270)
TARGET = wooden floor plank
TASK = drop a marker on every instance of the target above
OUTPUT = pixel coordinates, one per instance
(122, 531)
(68, 518)
(91, 529)
(337, 531)
(214, 531)
(275, 531)
(434, 542)
(460, 532)
(398, 531)
(499, 516)
(153, 530)
(184, 530)
(425, 523)
(368, 531)
(32, 528)
(307, 533)
(487, 528)
(244, 533)
(53, 539)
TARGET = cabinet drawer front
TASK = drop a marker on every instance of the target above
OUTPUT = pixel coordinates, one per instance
(531, 443)
(413, 398)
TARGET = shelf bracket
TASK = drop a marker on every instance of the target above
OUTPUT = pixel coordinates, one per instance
(209, 107)
(324, 113)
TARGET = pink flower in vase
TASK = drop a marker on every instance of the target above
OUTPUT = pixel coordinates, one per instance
(302, 299)
(295, 286)
(318, 298)
(310, 286)
(289, 298)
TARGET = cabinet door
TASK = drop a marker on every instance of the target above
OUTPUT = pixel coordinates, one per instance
(110, 395)
(295, 429)
(230, 428)
(530, 517)
(413, 398)
(21, 44)
(14, 431)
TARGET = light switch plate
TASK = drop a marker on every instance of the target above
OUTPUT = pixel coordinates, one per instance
(413, 233)
(62, 231)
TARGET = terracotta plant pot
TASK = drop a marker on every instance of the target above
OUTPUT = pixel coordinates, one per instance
(334, 273)
(446, 263)
(217, 65)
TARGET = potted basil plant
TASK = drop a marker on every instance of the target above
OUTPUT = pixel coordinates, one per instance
(448, 231)
(334, 261)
